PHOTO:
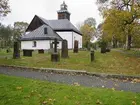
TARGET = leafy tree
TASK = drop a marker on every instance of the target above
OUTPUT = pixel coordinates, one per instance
(90, 21)
(4, 8)
(121, 19)
(87, 32)
(6, 36)
(19, 29)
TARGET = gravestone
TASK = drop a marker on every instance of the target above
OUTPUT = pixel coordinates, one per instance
(16, 53)
(103, 50)
(92, 55)
(108, 50)
(27, 53)
(103, 47)
(51, 48)
(75, 46)
(55, 56)
(64, 51)
(7, 51)
(41, 51)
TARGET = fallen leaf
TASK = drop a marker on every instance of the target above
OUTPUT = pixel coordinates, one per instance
(113, 89)
(134, 103)
(76, 84)
(116, 85)
(98, 102)
(44, 102)
(103, 86)
(18, 88)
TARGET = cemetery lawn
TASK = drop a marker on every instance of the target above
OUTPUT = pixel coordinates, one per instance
(115, 62)
(21, 91)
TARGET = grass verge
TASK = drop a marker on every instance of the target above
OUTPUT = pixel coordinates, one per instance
(21, 91)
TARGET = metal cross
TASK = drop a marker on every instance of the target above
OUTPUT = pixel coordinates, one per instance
(55, 45)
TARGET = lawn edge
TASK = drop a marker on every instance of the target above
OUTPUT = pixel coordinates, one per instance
(74, 72)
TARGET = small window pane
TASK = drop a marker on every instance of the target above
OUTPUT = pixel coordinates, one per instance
(34, 43)
(45, 31)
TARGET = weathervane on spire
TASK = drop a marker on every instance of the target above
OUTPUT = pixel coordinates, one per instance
(63, 6)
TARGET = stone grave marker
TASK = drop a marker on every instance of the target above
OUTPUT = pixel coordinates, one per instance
(27, 53)
(64, 51)
(75, 46)
(92, 55)
(55, 57)
(41, 51)
(51, 50)
(103, 47)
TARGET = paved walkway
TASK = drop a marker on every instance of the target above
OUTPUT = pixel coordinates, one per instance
(83, 80)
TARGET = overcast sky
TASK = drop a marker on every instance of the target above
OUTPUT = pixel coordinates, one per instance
(24, 10)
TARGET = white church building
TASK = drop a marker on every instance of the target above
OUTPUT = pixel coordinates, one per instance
(41, 32)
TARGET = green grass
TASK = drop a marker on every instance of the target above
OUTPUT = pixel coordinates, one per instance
(21, 91)
(133, 52)
(113, 62)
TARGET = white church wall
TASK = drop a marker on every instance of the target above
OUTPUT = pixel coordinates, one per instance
(78, 38)
(40, 44)
(68, 37)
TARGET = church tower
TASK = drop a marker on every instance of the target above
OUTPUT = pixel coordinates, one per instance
(63, 12)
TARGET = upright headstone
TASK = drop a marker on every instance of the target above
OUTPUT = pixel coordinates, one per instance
(92, 55)
(55, 57)
(75, 46)
(64, 51)
(51, 48)
(41, 51)
(7, 51)
(27, 53)
(103, 47)
(16, 53)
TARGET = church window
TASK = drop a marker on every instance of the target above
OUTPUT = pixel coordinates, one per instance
(45, 30)
(34, 43)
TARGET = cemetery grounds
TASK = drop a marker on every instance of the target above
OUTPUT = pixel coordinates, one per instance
(114, 62)
(19, 91)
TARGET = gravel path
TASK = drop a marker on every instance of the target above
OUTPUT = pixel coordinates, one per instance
(83, 80)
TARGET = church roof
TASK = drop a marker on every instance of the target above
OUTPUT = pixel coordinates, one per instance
(61, 25)
(38, 34)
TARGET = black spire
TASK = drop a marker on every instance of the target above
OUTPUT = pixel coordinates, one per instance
(63, 12)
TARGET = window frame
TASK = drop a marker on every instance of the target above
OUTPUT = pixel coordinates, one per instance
(34, 43)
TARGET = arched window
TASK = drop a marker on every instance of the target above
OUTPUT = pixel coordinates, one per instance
(34, 43)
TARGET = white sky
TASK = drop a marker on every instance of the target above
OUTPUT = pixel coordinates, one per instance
(24, 10)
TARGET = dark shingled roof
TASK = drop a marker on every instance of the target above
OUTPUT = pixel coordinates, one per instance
(61, 25)
(38, 34)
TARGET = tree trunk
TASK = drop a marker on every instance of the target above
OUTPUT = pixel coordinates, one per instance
(115, 43)
(128, 42)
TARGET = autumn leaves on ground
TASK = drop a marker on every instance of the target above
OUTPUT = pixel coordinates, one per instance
(20, 91)
(116, 62)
